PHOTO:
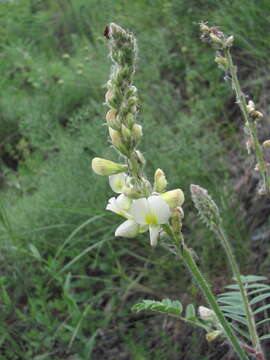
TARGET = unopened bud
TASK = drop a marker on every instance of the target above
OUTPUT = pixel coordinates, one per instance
(174, 198)
(211, 336)
(130, 120)
(206, 207)
(266, 144)
(112, 120)
(206, 314)
(108, 96)
(229, 41)
(257, 167)
(136, 133)
(126, 133)
(160, 181)
(140, 158)
(222, 61)
(216, 39)
(115, 138)
(106, 167)
(204, 28)
(250, 106)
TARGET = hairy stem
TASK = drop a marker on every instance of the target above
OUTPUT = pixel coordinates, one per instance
(250, 125)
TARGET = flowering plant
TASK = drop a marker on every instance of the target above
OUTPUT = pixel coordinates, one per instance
(152, 208)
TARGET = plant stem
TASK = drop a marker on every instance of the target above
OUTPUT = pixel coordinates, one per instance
(186, 255)
(249, 314)
(250, 125)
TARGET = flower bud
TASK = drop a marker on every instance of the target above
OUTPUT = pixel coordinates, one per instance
(160, 181)
(140, 158)
(250, 106)
(204, 28)
(229, 41)
(106, 167)
(211, 336)
(126, 133)
(266, 144)
(130, 120)
(108, 96)
(112, 120)
(216, 39)
(222, 61)
(173, 198)
(136, 133)
(117, 141)
(206, 314)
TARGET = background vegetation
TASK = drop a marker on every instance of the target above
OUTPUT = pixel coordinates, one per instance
(67, 284)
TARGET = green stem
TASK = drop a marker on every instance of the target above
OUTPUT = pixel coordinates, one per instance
(186, 255)
(251, 126)
(249, 314)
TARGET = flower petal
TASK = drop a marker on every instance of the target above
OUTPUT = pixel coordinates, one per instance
(139, 209)
(119, 205)
(124, 202)
(117, 182)
(154, 234)
(159, 207)
(128, 229)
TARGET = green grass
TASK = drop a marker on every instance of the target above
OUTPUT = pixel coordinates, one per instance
(67, 284)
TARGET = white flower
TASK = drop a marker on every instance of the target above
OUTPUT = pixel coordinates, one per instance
(128, 229)
(206, 314)
(117, 182)
(120, 205)
(153, 212)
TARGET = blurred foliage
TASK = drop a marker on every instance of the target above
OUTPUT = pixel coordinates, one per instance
(66, 284)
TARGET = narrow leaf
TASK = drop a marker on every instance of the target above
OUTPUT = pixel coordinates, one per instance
(262, 308)
(259, 298)
(240, 331)
(265, 337)
(236, 317)
(233, 309)
(259, 323)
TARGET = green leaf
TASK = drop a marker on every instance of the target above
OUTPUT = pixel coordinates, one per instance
(253, 292)
(190, 312)
(166, 306)
(231, 300)
(259, 323)
(262, 308)
(233, 309)
(236, 317)
(259, 298)
(252, 278)
(265, 337)
(241, 331)
(247, 286)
